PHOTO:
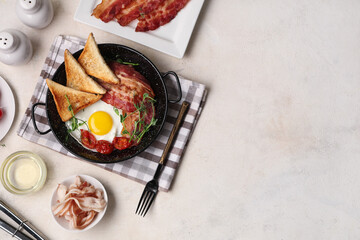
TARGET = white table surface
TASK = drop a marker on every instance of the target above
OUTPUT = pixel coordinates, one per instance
(276, 153)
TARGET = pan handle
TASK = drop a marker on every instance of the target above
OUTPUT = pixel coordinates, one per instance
(178, 86)
(33, 118)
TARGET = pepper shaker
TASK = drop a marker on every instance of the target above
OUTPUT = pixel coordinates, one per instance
(35, 13)
(15, 47)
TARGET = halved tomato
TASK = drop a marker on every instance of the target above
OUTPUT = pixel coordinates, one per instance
(121, 143)
(104, 147)
(88, 139)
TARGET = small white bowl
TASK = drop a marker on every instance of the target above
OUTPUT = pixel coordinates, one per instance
(67, 182)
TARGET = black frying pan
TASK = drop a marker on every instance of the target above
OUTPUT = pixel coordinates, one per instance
(148, 70)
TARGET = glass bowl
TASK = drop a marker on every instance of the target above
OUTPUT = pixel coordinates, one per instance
(23, 172)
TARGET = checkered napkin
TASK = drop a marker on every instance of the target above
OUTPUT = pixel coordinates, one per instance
(142, 167)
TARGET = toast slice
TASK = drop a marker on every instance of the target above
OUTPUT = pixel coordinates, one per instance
(78, 99)
(94, 64)
(77, 78)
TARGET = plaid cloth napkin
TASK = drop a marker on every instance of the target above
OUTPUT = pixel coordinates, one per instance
(142, 167)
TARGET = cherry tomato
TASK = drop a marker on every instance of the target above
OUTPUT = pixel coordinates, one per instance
(1, 113)
(121, 143)
(88, 139)
(104, 147)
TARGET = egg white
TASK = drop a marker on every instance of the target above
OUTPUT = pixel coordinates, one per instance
(85, 114)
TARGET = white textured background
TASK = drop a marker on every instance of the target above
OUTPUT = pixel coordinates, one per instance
(276, 153)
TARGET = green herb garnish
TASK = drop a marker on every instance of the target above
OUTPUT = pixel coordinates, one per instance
(119, 60)
(140, 127)
(142, 14)
(75, 122)
(116, 111)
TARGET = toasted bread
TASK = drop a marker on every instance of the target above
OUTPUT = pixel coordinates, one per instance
(94, 64)
(78, 99)
(77, 78)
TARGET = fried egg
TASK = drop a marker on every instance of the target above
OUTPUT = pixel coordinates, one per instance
(101, 120)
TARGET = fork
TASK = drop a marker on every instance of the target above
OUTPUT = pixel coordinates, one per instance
(152, 187)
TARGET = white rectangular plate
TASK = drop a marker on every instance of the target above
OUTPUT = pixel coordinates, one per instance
(171, 38)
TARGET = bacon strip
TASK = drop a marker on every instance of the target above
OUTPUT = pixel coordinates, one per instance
(127, 93)
(136, 9)
(130, 13)
(108, 9)
(79, 204)
(166, 12)
(131, 89)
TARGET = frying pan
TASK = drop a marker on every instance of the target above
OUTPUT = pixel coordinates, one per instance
(148, 70)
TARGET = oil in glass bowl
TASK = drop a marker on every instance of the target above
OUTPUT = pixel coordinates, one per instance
(23, 172)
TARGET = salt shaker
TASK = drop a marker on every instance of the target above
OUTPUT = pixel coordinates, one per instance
(35, 13)
(15, 47)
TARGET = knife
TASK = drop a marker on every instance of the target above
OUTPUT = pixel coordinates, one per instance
(13, 231)
(21, 221)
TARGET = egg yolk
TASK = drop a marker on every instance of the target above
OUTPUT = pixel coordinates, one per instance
(100, 123)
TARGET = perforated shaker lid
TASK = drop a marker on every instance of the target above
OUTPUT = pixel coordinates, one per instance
(6, 40)
(28, 4)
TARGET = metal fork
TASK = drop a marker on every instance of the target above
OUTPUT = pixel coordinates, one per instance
(151, 188)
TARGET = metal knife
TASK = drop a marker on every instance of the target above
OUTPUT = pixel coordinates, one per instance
(13, 231)
(21, 221)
